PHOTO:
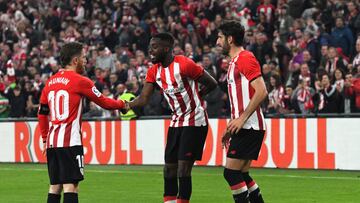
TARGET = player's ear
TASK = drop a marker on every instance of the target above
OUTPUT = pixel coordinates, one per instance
(75, 60)
(229, 39)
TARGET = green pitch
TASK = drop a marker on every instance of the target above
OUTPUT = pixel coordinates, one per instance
(143, 184)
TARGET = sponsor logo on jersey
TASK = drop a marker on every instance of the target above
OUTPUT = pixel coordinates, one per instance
(96, 91)
(175, 90)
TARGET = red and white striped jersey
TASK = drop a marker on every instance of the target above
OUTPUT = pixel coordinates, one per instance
(179, 85)
(243, 69)
(63, 94)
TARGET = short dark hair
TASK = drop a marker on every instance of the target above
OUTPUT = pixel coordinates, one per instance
(234, 29)
(69, 51)
(165, 37)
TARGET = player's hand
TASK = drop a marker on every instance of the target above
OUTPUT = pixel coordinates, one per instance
(235, 125)
(126, 108)
(44, 149)
(225, 140)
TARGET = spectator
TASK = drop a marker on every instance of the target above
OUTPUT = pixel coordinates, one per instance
(285, 21)
(350, 97)
(338, 79)
(310, 61)
(94, 111)
(104, 59)
(343, 37)
(4, 107)
(304, 75)
(334, 61)
(276, 95)
(353, 17)
(17, 102)
(304, 94)
(331, 97)
(324, 56)
(356, 60)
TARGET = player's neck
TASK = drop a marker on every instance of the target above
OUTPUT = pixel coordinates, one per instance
(235, 51)
(168, 60)
(70, 68)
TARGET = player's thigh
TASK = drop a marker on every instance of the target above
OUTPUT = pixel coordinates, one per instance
(172, 145)
(53, 164)
(246, 166)
(192, 141)
(235, 164)
(246, 144)
(71, 162)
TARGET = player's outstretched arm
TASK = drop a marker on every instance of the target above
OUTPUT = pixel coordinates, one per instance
(208, 82)
(88, 89)
(144, 97)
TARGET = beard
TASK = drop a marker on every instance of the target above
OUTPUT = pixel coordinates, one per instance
(159, 58)
(226, 48)
(80, 68)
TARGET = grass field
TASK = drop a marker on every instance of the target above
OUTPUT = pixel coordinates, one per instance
(143, 184)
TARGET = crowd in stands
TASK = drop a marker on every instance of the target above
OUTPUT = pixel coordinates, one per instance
(308, 50)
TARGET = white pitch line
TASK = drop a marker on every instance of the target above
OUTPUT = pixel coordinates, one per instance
(197, 174)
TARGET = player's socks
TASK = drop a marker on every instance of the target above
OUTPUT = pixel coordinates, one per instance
(70, 197)
(170, 190)
(237, 185)
(254, 190)
(53, 198)
(182, 201)
(185, 189)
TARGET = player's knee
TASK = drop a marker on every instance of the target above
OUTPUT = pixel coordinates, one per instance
(226, 174)
(247, 177)
(170, 171)
(184, 170)
(232, 176)
(55, 189)
(73, 188)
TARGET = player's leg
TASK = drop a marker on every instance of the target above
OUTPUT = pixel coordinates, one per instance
(244, 147)
(184, 176)
(190, 149)
(254, 190)
(71, 171)
(54, 194)
(233, 176)
(71, 193)
(170, 182)
(171, 166)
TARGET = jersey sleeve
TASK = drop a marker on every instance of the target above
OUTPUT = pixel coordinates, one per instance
(250, 67)
(43, 118)
(88, 89)
(190, 69)
(43, 97)
(151, 75)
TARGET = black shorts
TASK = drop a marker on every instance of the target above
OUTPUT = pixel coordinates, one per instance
(185, 143)
(65, 164)
(246, 144)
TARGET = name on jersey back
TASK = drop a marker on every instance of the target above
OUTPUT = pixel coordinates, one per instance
(62, 80)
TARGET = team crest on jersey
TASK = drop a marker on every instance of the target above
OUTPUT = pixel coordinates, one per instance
(96, 91)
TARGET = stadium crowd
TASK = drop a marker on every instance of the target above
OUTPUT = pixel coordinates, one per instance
(309, 51)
